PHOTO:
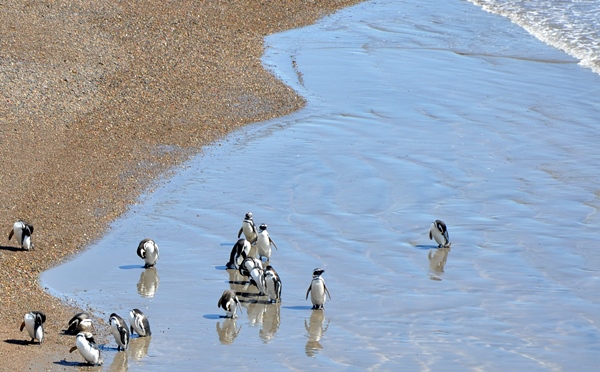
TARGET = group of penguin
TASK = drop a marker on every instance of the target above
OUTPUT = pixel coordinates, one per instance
(266, 280)
(81, 324)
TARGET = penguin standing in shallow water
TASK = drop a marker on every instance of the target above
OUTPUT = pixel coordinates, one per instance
(317, 290)
(272, 284)
(264, 242)
(119, 330)
(80, 322)
(230, 303)
(248, 228)
(439, 232)
(239, 252)
(148, 251)
(87, 347)
(22, 232)
(33, 322)
(139, 323)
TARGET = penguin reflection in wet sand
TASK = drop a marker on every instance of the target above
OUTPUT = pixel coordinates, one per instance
(230, 303)
(33, 322)
(119, 330)
(239, 252)
(264, 242)
(317, 290)
(439, 232)
(148, 251)
(272, 284)
(80, 322)
(22, 232)
(248, 228)
(139, 323)
(87, 347)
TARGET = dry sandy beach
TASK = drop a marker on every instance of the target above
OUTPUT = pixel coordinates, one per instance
(98, 99)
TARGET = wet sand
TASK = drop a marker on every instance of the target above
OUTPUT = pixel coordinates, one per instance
(98, 100)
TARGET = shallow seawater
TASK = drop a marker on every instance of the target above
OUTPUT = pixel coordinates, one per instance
(417, 111)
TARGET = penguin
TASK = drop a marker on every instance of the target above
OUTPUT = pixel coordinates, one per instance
(148, 251)
(230, 303)
(139, 323)
(264, 242)
(273, 284)
(439, 232)
(88, 348)
(80, 322)
(257, 277)
(319, 289)
(22, 232)
(248, 264)
(33, 322)
(119, 330)
(248, 228)
(239, 252)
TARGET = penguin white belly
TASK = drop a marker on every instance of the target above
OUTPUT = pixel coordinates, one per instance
(26, 243)
(151, 254)
(263, 246)
(30, 325)
(248, 231)
(258, 277)
(317, 293)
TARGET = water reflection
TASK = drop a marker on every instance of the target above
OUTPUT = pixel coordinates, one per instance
(437, 261)
(228, 332)
(256, 312)
(271, 321)
(119, 363)
(148, 283)
(316, 327)
(138, 347)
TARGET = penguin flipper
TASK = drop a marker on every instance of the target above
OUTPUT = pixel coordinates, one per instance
(430, 236)
(308, 291)
(272, 242)
(327, 291)
(240, 232)
(22, 326)
(72, 349)
(10, 234)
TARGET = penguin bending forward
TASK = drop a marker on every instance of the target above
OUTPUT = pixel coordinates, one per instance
(139, 323)
(230, 303)
(22, 232)
(88, 348)
(119, 330)
(439, 232)
(148, 251)
(33, 322)
(239, 252)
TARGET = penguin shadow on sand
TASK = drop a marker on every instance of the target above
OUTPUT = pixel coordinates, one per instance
(12, 248)
(315, 328)
(437, 261)
(228, 331)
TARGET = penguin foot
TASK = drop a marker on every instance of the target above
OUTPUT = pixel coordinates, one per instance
(230, 265)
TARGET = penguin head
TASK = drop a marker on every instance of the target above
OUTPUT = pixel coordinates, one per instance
(440, 225)
(318, 271)
(248, 216)
(263, 227)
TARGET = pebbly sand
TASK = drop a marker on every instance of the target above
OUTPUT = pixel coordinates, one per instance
(97, 101)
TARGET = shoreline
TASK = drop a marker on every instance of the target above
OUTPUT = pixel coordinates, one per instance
(98, 102)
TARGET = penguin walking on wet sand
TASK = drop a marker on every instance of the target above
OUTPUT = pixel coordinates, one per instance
(22, 232)
(272, 284)
(87, 347)
(80, 322)
(239, 252)
(230, 303)
(318, 290)
(148, 251)
(264, 242)
(439, 232)
(120, 331)
(248, 228)
(33, 322)
(139, 323)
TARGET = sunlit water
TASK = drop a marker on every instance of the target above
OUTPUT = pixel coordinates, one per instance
(417, 111)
